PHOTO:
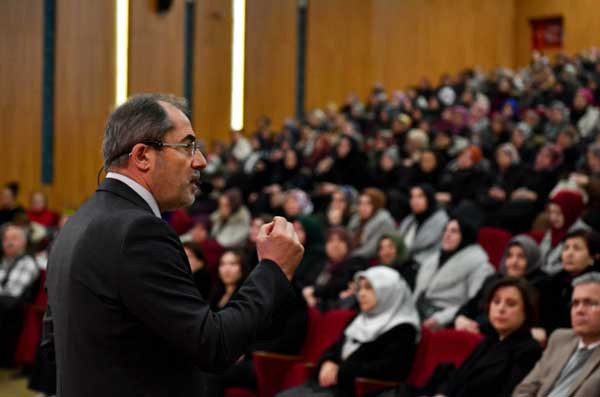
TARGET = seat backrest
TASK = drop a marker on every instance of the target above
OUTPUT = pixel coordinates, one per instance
(328, 330)
(311, 341)
(445, 346)
(493, 241)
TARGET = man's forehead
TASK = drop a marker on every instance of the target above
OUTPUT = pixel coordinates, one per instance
(587, 290)
(183, 127)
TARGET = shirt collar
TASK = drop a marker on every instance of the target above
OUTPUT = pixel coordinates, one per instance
(588, 347)
(139, 189)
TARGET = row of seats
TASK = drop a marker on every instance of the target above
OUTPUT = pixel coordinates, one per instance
(276, 372)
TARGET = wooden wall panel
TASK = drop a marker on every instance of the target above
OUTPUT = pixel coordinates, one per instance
(415, 38)
(270, 61)
(353, 43)
(581, 27)
(339, 57)
(84, 95)
(156, 43)
(21, 87)
(212, 70)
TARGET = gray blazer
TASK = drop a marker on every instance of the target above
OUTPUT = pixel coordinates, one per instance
(380, 223)
(429, 234)
(455, 283)
(561, 346)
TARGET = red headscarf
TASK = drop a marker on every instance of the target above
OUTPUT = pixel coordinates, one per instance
(572, 206)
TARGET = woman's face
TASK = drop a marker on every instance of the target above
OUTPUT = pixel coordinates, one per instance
(515, 262)
(367, 300)
(502, 159)
(418, 200)
(555, 216)
(451, 238)
(291, 159)
(230, 268)
(343, 148)
(507, 310)
(224, 206)
(255, 229)
(428, 162)
(338, 201)
(575, 255)
(336, 248)
(543, 160)
(387, 251)
(291, 207)
(365, 207)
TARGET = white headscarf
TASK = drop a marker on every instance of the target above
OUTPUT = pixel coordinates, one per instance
(394, 306)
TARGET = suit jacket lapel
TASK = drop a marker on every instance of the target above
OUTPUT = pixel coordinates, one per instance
(561, 356)
(591, 364)
(121, 189)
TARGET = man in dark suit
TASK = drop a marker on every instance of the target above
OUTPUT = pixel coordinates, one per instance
(128, 318)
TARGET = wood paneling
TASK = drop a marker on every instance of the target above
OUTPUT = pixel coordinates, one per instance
(21, 88)
(156, 43)
(270, 61)
(84, 95)
(338, 50)
(212, 70)
(581, 27)
(353, 44)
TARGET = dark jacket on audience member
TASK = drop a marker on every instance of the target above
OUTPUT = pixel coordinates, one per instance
(390, 357)
(495, 367)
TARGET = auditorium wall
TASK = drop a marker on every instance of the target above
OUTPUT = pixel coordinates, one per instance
(350, 45)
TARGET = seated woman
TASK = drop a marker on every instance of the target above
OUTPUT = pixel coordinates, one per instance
(233, 270)
(311, 236)
(370, 222)
(564, 211)
(332, 283)
(580, 254)
(521, 259)
(231, 221)
(200, 273)
(502, 359)
(391, 252)
(449, 277)
(422, 229)
(380, 342)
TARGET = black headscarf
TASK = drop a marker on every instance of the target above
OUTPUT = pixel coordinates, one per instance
(429, 192)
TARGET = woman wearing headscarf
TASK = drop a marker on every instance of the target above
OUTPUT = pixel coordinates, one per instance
(529, 199)
(347, 166)
(371, 221)
(311, 237)
(422, 229)
(584, 114)
(337, 272)
(564, 211)
(231, 221)
(450, 276)
(380, 342)
(521, 259)
(391, 252)
(507, 176)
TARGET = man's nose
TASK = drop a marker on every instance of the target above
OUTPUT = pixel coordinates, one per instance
(198, 161)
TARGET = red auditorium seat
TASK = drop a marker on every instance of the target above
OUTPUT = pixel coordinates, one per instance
(445, 346)
(275, 372)
(493, 240)
(239, 392)
(537, 235)
(29, 339)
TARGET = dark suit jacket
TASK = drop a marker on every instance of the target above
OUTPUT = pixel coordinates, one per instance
(128, 319)
(495, 367)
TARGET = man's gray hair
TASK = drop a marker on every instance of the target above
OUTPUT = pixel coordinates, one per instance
(591, 277)
(141, 118)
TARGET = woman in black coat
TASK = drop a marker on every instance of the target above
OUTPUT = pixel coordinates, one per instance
(380, 342)
(501, 360)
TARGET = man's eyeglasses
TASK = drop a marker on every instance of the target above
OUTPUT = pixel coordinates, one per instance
(190, 147)
(586, 303)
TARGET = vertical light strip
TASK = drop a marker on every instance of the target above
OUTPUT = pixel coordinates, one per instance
(122, 49)
(238, 49)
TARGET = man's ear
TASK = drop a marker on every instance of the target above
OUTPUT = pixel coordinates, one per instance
(142, 157)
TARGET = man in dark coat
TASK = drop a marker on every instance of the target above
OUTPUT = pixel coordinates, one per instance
(128, 318)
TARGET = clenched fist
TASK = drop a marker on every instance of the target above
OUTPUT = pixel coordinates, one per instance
(278, 241)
